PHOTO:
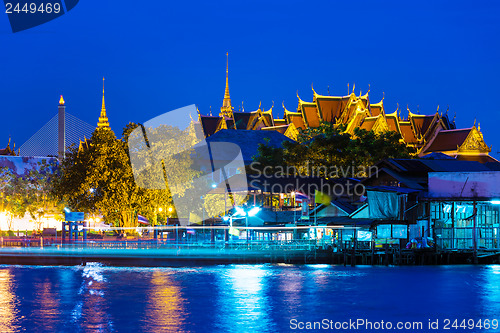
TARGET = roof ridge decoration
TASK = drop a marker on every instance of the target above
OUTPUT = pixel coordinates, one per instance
(474, 143)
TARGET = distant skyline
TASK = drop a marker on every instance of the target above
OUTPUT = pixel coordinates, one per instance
(160, 56)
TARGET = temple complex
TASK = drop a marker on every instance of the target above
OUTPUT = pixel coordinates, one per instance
(434, 133)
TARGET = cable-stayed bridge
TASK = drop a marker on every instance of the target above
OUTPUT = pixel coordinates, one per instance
(57, 135)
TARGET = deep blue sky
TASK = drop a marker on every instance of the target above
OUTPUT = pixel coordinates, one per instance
(161, 55)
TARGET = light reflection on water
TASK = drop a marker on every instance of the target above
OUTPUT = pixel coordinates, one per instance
(243, 299)
(165, 311)
(8, 302)
(237, 298)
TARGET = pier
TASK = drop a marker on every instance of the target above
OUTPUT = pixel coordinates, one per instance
(167, 252)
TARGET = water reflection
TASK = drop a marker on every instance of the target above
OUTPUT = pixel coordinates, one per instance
(91, 310)
(237, 298)
(46, 307)
(243, 299)
(164, 310)
(491, 291)
(290, 284)
(8, 302)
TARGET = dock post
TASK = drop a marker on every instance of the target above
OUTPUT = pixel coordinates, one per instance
(386, 254)
(355, 240)
(474, 234)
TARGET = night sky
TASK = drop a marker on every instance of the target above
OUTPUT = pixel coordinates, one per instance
(160, 55)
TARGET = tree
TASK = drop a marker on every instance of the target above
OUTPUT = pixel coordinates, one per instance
(12, 202)
(97, 178)
(30, 193)
(329, 151)
(37, 186)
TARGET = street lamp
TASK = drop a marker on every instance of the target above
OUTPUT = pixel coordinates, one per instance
(241, 213)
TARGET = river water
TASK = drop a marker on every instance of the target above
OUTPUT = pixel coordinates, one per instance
(247, 298)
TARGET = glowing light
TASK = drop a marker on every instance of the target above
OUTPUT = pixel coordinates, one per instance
(170, 209)
(61, 100)
(495, 202)
(214, 185)
(225, 218)
(160, 209)
(67, 210)
(253, 211)
(240, 211)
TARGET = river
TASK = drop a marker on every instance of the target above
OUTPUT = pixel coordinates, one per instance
(248, 298)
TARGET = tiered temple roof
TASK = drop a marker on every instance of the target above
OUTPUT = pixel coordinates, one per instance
(7, 151)
(426, 133)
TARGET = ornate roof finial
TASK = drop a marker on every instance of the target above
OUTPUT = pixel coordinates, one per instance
(272, 105)
(328, 89)
(103, 106)
(353, 87)
(418, 109)
(348, 90)
(447, 109)
(383, 95)
(260, 103)
(226, 110)
(474, 121)
(210, 110)
(226, 92)
(478, 129)
(454, 117)
(437, 111)
(368, 88)
(314, 92)
(103, 118)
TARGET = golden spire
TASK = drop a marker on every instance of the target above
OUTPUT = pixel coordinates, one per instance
(103, 118)
(226, 92)
(226, 110)
(61, 100)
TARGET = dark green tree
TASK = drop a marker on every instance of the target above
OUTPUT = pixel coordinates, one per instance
(329, 151)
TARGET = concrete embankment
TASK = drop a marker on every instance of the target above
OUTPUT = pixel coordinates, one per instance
(152, 257)
(189, 256)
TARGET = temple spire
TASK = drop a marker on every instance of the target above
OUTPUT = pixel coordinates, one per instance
(103, 118)
(226, 110)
